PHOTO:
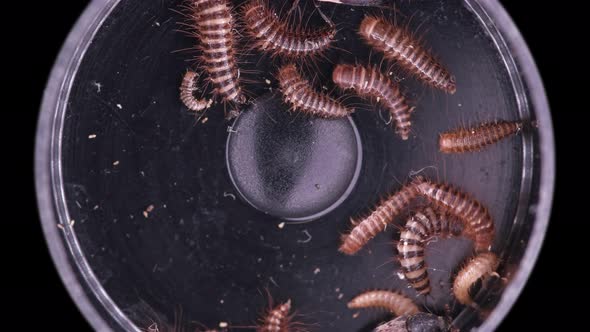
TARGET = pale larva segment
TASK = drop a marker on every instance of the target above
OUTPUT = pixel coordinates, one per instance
(394, 302)
(277, 319)
(478, 137)
(187, 89)
(481, 266)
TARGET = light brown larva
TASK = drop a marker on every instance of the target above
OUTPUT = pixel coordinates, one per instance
(398, 44)
(214, 24)
(187, 89)
(481, 266)
(419, 230)
(370, 82)
(479, 222)
(277, 319)
(476, 138)
(380, 217)
(298, 92)
(396, 303)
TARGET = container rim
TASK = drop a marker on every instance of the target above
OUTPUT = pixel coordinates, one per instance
(78, 284)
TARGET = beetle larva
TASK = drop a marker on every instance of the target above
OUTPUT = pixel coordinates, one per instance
(476, 138)
(481, 266)
(187, 88)
(396, 303)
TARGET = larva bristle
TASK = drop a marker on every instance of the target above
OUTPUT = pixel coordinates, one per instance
(396, 43)
(274, 36)
(394, 302)
(214, 24)
(476, 138)
(420, 228)
(370, 82)
(187, 88)
(298, 92)
(379, 218)
(479, 267)
(478, 221)
(277, 319)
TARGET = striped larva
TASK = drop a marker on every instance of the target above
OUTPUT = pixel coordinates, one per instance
(476, 138)
(479, 224)
(277, 319)
(370, 82)
(187, 88)
(394, 302)
(396, 43)
(215, 29)
(298, 92)
(382, 215)
(277, 37)
(420, 322)
(419, 230)
(480, 267)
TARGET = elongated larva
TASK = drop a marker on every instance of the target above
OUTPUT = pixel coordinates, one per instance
(398, 44)
(187, 88)
(419, 230)
(376, 222)
(277, 37)
(369, 82)
(481, 266)
(277, 319)
(215, 29)
(396, 303)
(479, 222)
(476, 138)
(298, 92)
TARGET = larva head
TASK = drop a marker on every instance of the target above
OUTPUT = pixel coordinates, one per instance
(371, 25)
(348, 246)
(343, 76)
(451, 85)
(404, 132)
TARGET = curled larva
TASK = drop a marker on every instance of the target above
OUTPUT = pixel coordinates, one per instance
(476, 138)
(479, 224)
(274, 36)
(277, 319)
(370, 82)
(214, 24)
(187, 88)
(398, 44)
(419, 230)
(396, 303)
(384, 214)
(298, 92)
(480, 267)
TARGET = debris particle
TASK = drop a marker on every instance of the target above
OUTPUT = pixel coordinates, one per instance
(95, 207)
(119, 106)
(157, 23)
(115, 163)
(356, 314)
(259, 259)
(317, 270)
(98, 86)
(147, 211)
(337, 290)
(267, 81)
(317, 186)
(205, 119)
(72, 222)
(340, 296)
(401, 276)
(281, 225)
(308, 237)
(223, 325)
(273, 281)
(92, 136)
(60, 226)
(230, 129)
(221, 301)
(230, 195)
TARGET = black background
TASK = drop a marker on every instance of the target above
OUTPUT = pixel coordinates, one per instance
(547, 300)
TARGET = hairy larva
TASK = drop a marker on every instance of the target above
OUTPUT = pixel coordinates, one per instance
(215, 29)
(396, 303)
(476, 138)
(277, 319)
(298, 92)
(419, 230)
(420, 322)
(384, 214)
(370, 82)
(277, 37)
(397, 43)
(480, 267)
(187, 89)
(479, 222)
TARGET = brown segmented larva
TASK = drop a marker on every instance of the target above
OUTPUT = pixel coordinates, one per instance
(215, 23)
(187, 88)
(476, 138)
(398, 44)
(298, 92)
(419, 230)
(272, 35)
(370, 82)
(481, 266)
(396, 303)
(479, 222)
(277, 319)
(376, 222)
